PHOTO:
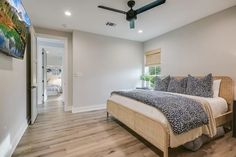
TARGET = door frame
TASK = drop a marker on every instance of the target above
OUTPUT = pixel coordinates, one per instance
(65, 66)
(32, 76)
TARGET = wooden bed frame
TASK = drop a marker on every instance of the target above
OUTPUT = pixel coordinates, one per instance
(154, 131)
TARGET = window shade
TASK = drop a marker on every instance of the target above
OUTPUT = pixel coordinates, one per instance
(153, 58)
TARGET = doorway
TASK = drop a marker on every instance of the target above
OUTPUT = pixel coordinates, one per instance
(51, 65)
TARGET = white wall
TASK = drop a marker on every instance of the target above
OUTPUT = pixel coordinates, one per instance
(12, 102)
(205, 46)
(102, 64)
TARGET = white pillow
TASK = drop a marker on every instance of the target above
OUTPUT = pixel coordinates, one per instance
(216, 88)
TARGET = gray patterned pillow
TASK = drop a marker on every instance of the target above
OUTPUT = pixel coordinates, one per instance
(178, 86)
(200, 86)
(162, 84)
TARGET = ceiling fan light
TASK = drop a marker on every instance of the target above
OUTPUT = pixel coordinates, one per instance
(132, 24)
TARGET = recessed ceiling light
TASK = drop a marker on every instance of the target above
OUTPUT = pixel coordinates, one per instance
(67, 13)
(140, 31)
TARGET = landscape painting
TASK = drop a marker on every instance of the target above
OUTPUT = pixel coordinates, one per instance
(14, 28)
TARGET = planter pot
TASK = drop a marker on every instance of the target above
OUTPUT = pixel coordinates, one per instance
(146, 84)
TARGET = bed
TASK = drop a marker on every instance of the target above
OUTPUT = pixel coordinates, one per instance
(152, 125)
(54, 90)
(54, 83)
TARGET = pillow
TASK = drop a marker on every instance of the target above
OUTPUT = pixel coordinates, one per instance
(200, 86)
(54, 82)
(216, 88)
(162, 84)
(178, 86)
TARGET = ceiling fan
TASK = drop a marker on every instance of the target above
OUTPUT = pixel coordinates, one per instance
(131, 15)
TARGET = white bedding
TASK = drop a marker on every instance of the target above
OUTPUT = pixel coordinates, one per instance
(218, 106)
(53, 90)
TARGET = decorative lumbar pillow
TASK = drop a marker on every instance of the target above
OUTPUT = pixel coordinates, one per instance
(216, 88)
(162, 84)
(200, 86)
(178, 86)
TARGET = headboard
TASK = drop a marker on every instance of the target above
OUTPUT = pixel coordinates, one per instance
(226, 89)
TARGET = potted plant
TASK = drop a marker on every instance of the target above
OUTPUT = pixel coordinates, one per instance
(149, 80)
(146, 80)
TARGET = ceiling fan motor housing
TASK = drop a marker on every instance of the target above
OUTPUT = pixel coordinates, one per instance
(131, 15)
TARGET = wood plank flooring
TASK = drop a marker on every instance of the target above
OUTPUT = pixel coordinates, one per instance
(63, 134)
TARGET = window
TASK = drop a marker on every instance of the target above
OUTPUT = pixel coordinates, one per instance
(152, 67)
(153, 62)
(153, 70)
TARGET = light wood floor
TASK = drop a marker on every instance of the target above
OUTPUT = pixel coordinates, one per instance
(63, 134)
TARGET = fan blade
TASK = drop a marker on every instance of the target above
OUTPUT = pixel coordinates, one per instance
(150, 6)
(112, 9)
(132, 24)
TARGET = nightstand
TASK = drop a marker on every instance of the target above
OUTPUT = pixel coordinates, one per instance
(234, 119)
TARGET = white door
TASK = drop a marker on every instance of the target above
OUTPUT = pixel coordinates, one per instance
(34, 108)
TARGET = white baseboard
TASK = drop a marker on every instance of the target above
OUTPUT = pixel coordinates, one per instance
(67, 108)
(17, 137)
(88, 108)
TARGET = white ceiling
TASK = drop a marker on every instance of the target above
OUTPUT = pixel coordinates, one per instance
(87, 17)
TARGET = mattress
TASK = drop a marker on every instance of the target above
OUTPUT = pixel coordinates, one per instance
(218, 106)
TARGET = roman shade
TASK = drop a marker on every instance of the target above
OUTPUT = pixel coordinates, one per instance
(153, 57)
